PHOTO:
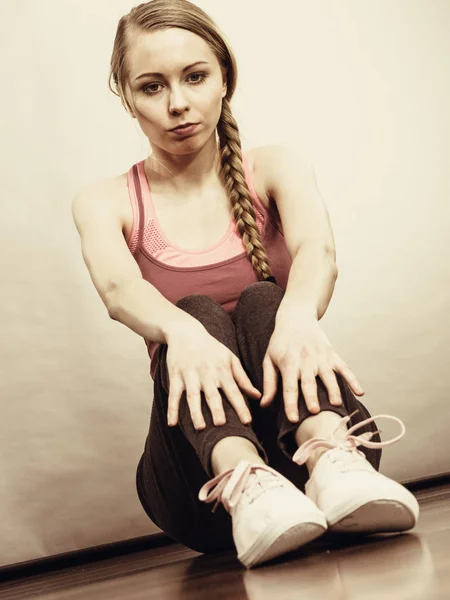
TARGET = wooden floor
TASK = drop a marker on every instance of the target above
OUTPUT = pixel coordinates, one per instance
(413, 565)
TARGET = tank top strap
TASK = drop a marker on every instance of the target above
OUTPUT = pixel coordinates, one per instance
(141, 210)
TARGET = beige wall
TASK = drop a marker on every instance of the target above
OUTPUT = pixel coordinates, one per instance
(363, 88)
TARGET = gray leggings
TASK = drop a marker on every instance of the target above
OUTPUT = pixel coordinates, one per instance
(176, 460)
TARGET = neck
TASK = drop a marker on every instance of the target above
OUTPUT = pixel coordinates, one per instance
(185, 174)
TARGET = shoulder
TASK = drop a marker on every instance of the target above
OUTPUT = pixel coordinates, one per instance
(102, 188)
(107, 193)
(270, 163)
(258, 161)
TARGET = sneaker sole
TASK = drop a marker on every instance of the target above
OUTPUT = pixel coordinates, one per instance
(376, 516)
(278, 540)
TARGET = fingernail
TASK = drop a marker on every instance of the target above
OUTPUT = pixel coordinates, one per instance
(293, 416)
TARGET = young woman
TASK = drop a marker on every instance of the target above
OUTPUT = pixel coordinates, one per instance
(224, 262)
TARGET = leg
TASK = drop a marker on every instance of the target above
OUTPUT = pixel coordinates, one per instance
(218, 324)
(177, 461)
(254, 317)
(320, 425)
(229, 451)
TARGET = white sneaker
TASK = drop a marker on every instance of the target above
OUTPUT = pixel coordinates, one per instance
(270, 515)
(354, 496)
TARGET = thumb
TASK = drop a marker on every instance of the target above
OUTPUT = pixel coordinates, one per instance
(270, 381)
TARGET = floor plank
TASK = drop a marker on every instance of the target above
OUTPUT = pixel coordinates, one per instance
(409, 566)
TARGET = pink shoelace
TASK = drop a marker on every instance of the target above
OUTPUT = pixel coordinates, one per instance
(349, 441)
(230, 484)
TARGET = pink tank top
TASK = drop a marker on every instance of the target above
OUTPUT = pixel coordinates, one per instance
(221, 272)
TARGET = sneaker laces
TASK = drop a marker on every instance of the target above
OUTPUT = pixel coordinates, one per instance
(231, 484)
(346, 441)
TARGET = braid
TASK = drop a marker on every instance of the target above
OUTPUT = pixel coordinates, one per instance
(233, 178)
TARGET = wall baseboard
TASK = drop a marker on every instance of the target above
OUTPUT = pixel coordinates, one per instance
(415, 485)
(155, 540)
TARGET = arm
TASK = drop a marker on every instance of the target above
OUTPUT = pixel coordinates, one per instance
(289, 179)
(128, 297)
(298, 348)
(310, 285)
(143, 309)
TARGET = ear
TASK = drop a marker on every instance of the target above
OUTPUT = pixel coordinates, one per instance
(225, 86)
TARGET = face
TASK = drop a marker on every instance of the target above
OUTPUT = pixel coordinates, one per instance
(173, 97)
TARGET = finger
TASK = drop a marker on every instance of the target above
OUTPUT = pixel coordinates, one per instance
(194, 400)
(270, 379)
(349, 376)
(290, 392)
(309, 389)
(242, 378)
(232, 392)
(176, 388)
(214, 401)
(328, 377)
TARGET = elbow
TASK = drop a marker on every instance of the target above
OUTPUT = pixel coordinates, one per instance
(111, 313)
(331, 254)
(111, 305)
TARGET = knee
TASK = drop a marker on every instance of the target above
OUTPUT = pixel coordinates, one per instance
(206, 310)
(261, 289)
(193, 299)
(198, 305)
(262, 293)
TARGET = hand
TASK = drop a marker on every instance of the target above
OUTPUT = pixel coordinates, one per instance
(197, 361)
(301, 352)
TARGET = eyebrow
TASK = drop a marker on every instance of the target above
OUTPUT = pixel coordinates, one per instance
(200, 62)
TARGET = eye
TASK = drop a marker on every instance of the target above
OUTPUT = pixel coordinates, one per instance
(202, 76)
(146, 89)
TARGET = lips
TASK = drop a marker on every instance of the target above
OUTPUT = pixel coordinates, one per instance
(181, 127)
(186, 132)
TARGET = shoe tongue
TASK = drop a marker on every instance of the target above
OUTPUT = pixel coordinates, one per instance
(258, 476)
(262, 479)
(344, 456)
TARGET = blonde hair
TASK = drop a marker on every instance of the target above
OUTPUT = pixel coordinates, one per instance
(158, 15)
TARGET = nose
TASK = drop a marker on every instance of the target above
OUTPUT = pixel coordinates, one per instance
(177, 102)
